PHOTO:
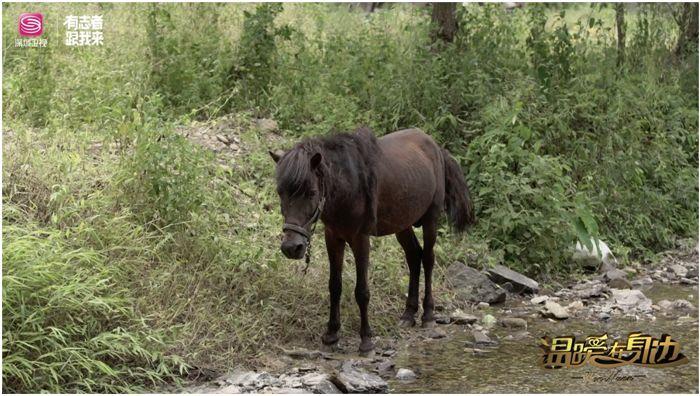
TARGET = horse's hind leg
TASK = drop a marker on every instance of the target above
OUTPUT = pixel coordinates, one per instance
(429, 236)
(413, 252)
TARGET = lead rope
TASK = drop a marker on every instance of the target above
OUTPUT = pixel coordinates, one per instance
(314, 219)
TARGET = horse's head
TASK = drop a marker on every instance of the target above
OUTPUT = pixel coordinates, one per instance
(300, 188)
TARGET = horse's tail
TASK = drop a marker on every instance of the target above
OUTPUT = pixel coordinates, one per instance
(458, 203)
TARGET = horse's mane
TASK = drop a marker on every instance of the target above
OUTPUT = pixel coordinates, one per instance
(349, 165)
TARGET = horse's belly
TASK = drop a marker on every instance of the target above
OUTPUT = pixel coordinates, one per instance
(407, 188)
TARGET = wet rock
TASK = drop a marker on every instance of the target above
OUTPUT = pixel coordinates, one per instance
(482, 339)
(630, 300)
(554, 310)
(514, 323)
(319, 383)
(679, 270)
(488, 321)
(352, 379)
(405, 375)
(461, 318)
(539, 299)
(483, 305)
(520, 282)
(604, 316)
(620, 283)
(473, 286)
(692, 273)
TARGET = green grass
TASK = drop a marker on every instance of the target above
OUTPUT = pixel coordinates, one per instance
(130, 253)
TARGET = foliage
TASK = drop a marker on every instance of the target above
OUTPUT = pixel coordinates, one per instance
(557, 144)
(68, 325)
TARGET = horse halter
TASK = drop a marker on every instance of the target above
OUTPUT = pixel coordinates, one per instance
(304, 229)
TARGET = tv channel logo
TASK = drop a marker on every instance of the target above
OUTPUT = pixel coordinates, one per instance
(31, 24)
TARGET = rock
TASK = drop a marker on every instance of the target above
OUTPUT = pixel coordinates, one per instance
(405, 374)
(683, 304)
(302, 353)
(630, 300)
(554, 310)
(223, 139)
(266, 125)
(230, 389)
(620, 283)
(482, 339)
(389, 352)
(352, 379)
(514, 323)
(443, 320)
(599, 257)
(517, 336)
(642, 281)
(319, 383)
(590, 290)
(679, 270)
(473, 286)
(476, 351)
(539, 299)
(385, 366)
(615, 274)
(240, 377)
(692, 273)
(436, 333)
(483, 305)
(520, 282)
(461, 318)
(604, 316)
(488, 321)
(575, 306)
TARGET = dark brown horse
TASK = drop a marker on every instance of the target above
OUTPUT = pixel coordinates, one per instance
(359, 186)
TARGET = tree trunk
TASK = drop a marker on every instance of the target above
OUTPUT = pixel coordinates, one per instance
(688, 29)
(446, 22)
(620, 22)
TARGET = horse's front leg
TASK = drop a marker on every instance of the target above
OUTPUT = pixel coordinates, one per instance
(335, 247)
(360, 249)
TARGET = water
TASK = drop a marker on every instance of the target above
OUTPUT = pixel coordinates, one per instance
(445, 367)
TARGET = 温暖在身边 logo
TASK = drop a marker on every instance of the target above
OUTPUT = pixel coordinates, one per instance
(31, 24)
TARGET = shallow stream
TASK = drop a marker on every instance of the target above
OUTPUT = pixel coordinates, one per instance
(444, 366)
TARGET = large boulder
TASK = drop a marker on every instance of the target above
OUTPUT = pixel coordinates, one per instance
(471, 285)
(519, 282)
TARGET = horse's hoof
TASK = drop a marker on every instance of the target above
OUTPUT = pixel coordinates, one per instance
(405, 323)
(330, 338)
(428, 324)
(366, 347)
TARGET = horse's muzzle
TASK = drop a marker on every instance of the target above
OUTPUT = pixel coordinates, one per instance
(294, 247)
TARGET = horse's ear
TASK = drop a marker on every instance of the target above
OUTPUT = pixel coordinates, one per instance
(316, 160)
(276, 155)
